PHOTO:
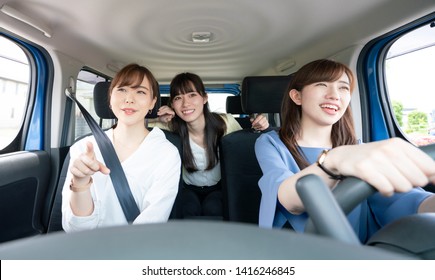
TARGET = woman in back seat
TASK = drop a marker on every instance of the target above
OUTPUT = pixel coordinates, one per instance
(200, 130)
(317, 137)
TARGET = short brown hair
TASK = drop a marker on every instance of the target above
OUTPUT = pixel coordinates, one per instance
(132, 75)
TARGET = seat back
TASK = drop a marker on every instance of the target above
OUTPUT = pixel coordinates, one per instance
(102, 108)
(239, 167)
(164, 100)
(234, 107)
(263, 94)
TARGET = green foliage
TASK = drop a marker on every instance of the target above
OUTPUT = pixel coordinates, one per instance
(417, 122)
(398, 112)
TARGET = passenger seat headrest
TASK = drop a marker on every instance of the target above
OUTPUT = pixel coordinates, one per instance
(164, 100)
(263, 94)
(102, 102)
(234, 105)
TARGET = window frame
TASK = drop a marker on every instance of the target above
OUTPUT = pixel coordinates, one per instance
(36, 118)
(70, 105)
(378, 119)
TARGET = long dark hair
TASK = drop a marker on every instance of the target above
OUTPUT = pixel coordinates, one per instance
(316, 71)
(215, 126)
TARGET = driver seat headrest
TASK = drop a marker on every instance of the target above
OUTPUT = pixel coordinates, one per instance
(263, 94)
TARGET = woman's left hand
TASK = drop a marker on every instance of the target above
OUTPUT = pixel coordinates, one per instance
(166, 114)
(260, 122)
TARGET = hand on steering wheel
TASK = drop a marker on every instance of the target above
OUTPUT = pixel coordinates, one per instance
(327, 210)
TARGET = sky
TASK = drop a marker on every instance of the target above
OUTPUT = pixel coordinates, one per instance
(410, 71)
(411, 79)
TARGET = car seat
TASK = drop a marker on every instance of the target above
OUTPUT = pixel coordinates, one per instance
(164, 100)
(239, 167)
(234, 107)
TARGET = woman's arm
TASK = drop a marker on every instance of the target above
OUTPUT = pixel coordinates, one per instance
(287, 194)
(390, 166)
(428, 205)
(165, 114)
(280, 173)
(82, 169)
(78, 207)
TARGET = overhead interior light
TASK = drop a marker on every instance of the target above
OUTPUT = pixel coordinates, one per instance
(201, 37)
(26, 19)
(285, 65)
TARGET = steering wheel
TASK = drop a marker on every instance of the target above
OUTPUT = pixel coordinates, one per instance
(327, 211)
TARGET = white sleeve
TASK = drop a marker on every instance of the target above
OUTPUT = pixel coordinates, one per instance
(232, 124)
(71, 222)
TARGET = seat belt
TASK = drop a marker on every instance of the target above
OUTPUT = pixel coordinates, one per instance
(120, 183)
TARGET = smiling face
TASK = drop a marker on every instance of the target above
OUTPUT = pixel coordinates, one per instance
(131, 103)
(189, 106)
(188, 97)
(323, 103)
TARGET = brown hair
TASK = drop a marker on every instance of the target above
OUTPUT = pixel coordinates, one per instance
(215, 126)
(316, 71)
(132, 75)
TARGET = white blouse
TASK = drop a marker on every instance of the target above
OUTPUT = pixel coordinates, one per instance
(202, 177)
(153, 173)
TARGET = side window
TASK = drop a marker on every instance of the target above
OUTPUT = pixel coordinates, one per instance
(14, 90)
(86, 82)
(409, 79)
(217, 102)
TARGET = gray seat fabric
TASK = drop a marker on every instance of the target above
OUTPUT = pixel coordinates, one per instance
(239, 166)
(164, 100)
(234, 107)
(263, 94)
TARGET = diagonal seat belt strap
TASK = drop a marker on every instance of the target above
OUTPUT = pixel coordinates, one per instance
(120, 183)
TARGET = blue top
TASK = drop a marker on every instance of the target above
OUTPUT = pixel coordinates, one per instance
(278, 164)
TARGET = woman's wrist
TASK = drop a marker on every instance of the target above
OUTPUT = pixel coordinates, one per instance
(331, 172)
(80, 188)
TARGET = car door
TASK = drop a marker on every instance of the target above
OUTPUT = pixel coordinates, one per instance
(26, 171)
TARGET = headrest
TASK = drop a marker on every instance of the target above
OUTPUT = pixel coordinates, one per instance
(164, 100)
(102, 102)
(234, 105)
(263, 94)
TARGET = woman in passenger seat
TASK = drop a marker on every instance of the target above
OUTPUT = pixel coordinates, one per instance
(200, 130)
(317, 137)
(151, 163)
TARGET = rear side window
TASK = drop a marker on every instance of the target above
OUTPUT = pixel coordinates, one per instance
(86, 81)
(409, 73)
(14, 91)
